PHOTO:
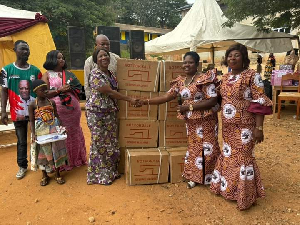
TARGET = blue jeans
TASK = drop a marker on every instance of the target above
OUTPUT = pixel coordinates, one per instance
(21, 132)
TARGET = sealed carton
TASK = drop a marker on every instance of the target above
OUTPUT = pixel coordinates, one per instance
(277, 76)
(138, 75)
(138, 133)
(169, 70)
(176, 160)
(172, 133)
(128, 111)
(147, 167)
(168, 110)
(121, 167)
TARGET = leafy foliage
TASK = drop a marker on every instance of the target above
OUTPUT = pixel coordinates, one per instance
(266, 13)
(60, 14)
(154, 13)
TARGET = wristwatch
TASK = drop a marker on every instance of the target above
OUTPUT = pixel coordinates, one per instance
(191, 107)
(259, 128)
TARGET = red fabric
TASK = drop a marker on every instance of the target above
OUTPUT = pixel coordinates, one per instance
(15, 104)
(10, 26)
(260, 109)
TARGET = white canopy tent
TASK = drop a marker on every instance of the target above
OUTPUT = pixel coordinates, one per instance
(201, 30)
(9, 12)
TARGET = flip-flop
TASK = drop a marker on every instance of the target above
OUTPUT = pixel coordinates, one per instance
(191, 184)
(44, 181)
(60, 180)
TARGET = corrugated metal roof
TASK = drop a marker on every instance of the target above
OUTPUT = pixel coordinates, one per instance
(152, 30)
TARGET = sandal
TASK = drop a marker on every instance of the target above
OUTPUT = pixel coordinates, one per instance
(191, 184)
(44, 181)
(60, 180)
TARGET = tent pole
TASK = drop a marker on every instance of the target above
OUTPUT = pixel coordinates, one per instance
(213, 54)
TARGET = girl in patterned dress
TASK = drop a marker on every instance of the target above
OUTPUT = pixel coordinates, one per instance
(199, 110)
(244, 104)
(101, 113)
(44, 120)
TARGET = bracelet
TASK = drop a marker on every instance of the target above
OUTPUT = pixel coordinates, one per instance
(58, 91)
(191, 108)
(148, 101)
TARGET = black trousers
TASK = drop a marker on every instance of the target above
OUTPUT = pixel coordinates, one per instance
(21, 132)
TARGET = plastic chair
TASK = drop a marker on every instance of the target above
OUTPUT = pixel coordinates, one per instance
(289, 96)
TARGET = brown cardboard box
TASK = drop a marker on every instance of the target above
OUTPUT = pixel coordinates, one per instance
(176, 159)
(168, 111)
(169, 70)
(138, 133)
(147, 167)
(138, 75)
(172, 133)
(121, 167)
(127, 111)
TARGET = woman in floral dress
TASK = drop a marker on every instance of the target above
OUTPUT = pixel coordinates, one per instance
(101, 113)
(244, 104)
(64, 88)
(199, 110)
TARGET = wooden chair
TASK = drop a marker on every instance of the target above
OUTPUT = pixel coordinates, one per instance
(289, 96)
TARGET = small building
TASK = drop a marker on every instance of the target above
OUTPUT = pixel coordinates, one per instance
(150, 33)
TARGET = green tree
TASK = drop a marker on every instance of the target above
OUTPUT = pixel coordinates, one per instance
(266, 13)
(60, 14)
(154, 13)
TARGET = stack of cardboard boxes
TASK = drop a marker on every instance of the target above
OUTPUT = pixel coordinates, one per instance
(146, 158)
(138, 127)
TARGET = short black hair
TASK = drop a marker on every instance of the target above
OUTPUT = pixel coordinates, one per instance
(194, 55)
(51, 60)
(36, 84)
(244, 52)
(19, 42)
(96, 52)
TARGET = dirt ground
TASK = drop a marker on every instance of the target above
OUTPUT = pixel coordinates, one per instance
(26, 202)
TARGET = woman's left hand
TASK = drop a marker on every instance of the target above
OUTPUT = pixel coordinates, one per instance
(258, 136)
(182, 108)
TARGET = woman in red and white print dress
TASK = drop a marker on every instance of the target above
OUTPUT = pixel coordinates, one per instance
(199, 111)
(244, 104)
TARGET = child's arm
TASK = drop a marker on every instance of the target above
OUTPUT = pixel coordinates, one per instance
(31, 109)
(55, 112)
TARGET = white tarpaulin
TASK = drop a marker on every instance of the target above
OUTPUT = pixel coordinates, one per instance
(8, 12)
(201, 30)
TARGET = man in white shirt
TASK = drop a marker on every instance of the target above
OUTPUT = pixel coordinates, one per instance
(102, 41)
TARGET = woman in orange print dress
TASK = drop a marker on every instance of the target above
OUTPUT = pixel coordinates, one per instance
(199, 110)
(244, 104)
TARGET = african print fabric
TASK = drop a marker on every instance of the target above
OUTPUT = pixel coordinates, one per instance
(50, 154)
(102, 121)
(202, 127)
(236, 176)
(104, 150)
